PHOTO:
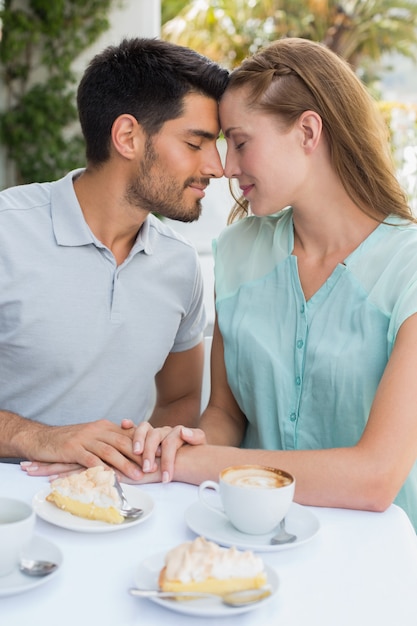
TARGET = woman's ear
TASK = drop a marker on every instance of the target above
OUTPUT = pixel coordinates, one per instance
(126, 135)
(311, 126)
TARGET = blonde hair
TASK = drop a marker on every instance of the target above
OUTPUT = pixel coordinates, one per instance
(294, 75)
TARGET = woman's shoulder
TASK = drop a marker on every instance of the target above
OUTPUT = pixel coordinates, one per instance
(251, 248)
(398, 242)
(253, 227)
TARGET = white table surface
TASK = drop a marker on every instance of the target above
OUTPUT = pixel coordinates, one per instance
(359, 570)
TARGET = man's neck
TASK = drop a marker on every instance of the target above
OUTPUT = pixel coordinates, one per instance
(102, 200)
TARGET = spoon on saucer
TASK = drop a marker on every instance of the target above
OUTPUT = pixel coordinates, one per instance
(32, 567)
(282, 536)
(233, 598)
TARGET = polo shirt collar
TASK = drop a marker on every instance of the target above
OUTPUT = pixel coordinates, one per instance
(69, 225)
(143, 239)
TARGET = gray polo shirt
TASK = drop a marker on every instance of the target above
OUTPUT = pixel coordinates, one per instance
(81, 338)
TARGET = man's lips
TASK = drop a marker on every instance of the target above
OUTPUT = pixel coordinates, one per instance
(199, 189)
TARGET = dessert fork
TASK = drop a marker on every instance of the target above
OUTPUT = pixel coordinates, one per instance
(127, 511)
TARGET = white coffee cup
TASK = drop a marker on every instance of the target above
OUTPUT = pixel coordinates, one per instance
(17, 523)
(254, 498)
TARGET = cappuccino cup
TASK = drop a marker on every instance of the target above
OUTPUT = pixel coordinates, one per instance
(254, 498)
(17, 523)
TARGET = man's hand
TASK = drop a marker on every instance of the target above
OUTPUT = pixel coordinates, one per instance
(63, 449)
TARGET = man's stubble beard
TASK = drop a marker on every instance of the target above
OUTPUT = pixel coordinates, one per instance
(157, 192)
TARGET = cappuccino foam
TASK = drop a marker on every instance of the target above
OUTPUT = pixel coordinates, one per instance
(255, 477)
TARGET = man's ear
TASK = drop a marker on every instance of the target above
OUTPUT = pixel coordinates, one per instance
(311, 126)
(127, 136)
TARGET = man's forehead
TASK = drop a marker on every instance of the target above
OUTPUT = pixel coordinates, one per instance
(200, 117)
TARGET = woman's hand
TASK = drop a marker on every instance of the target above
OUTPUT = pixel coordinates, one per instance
(53, 470)
(159, 446)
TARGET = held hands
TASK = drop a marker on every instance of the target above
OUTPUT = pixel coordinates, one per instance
(158, 446)
(138, 454)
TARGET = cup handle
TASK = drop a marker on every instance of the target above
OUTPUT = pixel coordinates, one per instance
(210, 484)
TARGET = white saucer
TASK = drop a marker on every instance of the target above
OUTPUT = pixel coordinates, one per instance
(52, 514)
(215, 527)
(16, 582)
(147, 578)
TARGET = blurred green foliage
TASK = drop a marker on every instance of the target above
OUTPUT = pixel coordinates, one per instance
(41, 39)
(359, 31)
(171, 8)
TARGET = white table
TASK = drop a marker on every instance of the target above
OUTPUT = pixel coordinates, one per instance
(359, 570)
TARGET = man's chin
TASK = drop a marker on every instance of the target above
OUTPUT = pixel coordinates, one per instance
(191, 215)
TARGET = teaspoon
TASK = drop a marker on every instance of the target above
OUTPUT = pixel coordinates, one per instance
(282, 536)
(233, 598)
(32, 567)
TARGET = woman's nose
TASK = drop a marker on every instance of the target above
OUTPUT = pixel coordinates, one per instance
(231, 169)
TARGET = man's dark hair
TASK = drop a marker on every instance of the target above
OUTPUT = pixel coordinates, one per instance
(146, 78)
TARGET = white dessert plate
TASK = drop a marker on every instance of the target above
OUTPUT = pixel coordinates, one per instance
(147, 575)
(52, 514)
(41, 549)
(215, 527)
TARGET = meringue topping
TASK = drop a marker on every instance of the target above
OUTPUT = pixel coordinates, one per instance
(94, 485)
(201, 559)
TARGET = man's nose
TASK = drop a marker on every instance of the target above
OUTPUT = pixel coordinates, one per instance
(213, 167)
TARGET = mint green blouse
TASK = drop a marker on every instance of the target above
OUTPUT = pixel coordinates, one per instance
(305, 372)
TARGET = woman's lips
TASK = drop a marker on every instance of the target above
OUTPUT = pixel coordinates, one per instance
(246, 189)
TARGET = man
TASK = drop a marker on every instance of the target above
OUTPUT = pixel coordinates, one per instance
(98, 298)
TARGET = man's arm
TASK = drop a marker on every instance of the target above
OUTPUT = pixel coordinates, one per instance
(16, 433)
(178, 389)
(95, 443)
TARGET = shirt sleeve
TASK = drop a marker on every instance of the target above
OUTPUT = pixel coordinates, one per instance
(193, 323)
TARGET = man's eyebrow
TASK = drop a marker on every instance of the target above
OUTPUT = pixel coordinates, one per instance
(205, 134)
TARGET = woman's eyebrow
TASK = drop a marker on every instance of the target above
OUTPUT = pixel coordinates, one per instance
(230, 130)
